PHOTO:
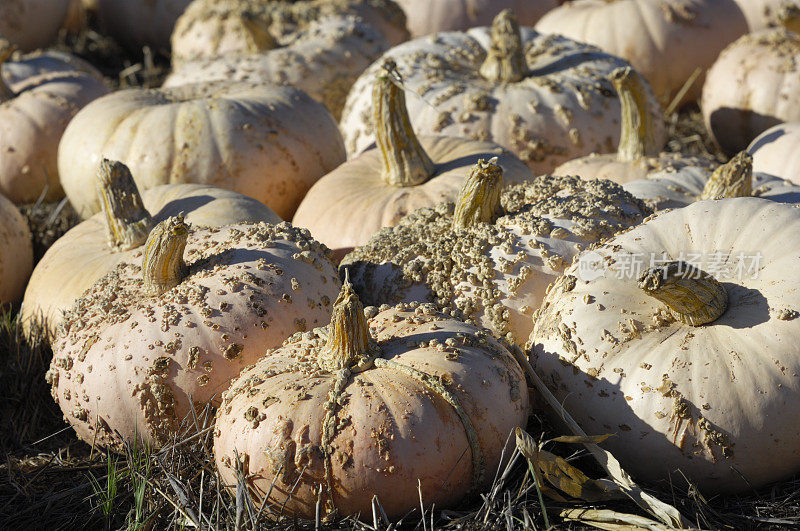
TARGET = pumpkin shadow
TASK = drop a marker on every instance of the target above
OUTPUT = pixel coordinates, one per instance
(752, 308)
(731, 125)
(184, 204)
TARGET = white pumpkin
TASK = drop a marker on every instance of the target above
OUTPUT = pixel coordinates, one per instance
(763, 14)
(776, 152)
(695, 376)
(16, 253)
(545, 98)
(268, 142)
(32, 24)
(324, 61)
(92, 248)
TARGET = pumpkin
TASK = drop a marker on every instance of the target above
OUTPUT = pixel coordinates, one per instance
(139, 23)
(665, 40)
(381, 185)
(39, 95)
(209, 29)
(638, 153)
(268, 142)
(398, 403)
(499, 84)
(763, 14)
(324, 61)
(684, 344)
(32, 24)
(676, 189)
(490, 255)
(754, 85)
(158, 335)
(426, 17)
(16, 252)
(92, 248)
(775, 152)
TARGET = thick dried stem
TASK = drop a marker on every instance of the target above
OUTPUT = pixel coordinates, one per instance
(163, 267)
(788, 15)
(405, 162)
(6, 50)
(505, 61)
(349, 344)
(638, 137)
(479, 198)
(256, 30)
(127, 221)
(733, 179)
(693, 296)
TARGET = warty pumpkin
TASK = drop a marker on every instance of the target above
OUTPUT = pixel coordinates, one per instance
(323, 60)
(763, 14)
(39, 94)
(32, 24)
(403, 173)
(161, 334)
(16, 252)
(268, 142)
(692, 359)
(753, 85)
(210, 29)
(94, 247)
(491, 254)
(676, 189)
(544, 97)
(426, 17)
(394, 402)
(639, 153)
(665, 40)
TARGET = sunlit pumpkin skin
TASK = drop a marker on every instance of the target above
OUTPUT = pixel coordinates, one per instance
(40, 94)
(83, 255)
(544, 115)
(324, 61)
(268, 142)
(763, 14)
(426, 412)
(16, 252)
(134, 355)
(426, 17)
(210, 29)
(32, 24)
(676, 189)
(715, 402)
(402, 174)
(665, 40)
(776, 152)
(754, 85)
(139, 23)
(494, 271)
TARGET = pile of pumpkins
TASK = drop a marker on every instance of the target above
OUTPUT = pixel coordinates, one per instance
(342, 223)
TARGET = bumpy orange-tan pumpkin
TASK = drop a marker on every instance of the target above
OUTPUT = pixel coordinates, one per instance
(405, 403)
(91, 249)
(665, 40)
(491, 255)
(501, 84)
(16, 252)
(39, 95)
(268, 142)
(162, 333)
(404, 173)
(696, 372)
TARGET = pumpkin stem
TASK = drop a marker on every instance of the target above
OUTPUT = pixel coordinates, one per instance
(479, 198)
(693, 296)
(638, 137)
(163, 267)
(127, 221)
(732, 179)
(405, 162)
(349, 344)
(788, 15)
(505, 60)
(256, 31)
(6, 50)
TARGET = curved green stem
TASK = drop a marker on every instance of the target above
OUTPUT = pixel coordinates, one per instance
(638, 136)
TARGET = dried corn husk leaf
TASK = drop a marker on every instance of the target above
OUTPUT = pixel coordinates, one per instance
(611, 520)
